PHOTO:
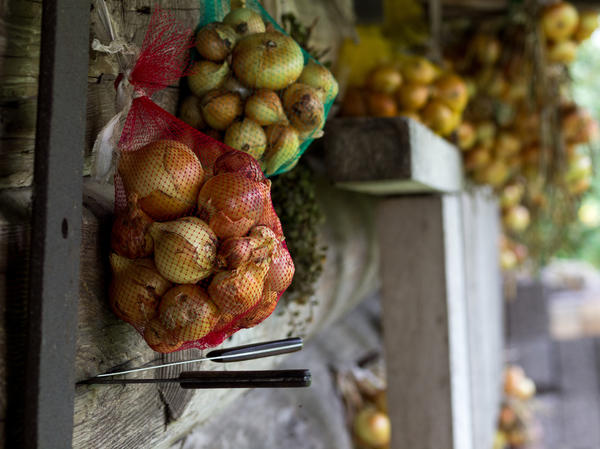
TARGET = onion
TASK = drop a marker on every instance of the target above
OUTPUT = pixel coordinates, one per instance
(511, 195)
(380, 401)
(516, 218)
(477, 158)
(410, 114)
(559, 21)
(135, 289)
(190, 112)
(159, 338)
(562, 52)
(588, 22)
(281, 270)
(381, 105)
(205, 76)
(233, 85)
(269, 218)
(245, 21)
(187, 312)
(507, 144)
(231, 204)
(303, 107)
(384, 79)
(220, 108)
(247, 136)
(241, 163)
(452, 91)
(130, 237)
(185, 249)
(235, 251)
(494, 174)
(265, 307)
(215, 41)
(267, 60)
(165, 174)
(419, 70)
(372, 427)
(487, 49)
(318, 77)
(439, 117)
(354, 103)
(264, 107)
(282, 147)
(466, 136)
(578, 126)
(412, 97)
(237, 291)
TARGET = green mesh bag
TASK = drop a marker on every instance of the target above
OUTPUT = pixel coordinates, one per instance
(252, 87)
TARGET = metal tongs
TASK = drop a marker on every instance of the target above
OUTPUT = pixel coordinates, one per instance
(226, 379)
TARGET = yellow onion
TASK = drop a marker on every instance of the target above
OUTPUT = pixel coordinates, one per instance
(578, 126)
(215, 41)
(190, 112)
(187, 312)
(317, 76)
(165, 174)
(466, 136)
(267, 60)
(220, 108)
(232, 204)
(439, 117)
(282, 147)
(264, 107)
(487, 49)
(235, 251)
(233, 85)
(240, 163)
(135, 289)
(205, 76)
(486, 132)
(451, 90)
(562, 52)
(354, 103)
(303, 107)
(384, 79)
(511, 195)
(245, 21)
(381, 105)
(507, 144)
(269, 218)
(263, 310)
(159, 338)
(494, 174)
(477, 158)
(516, 218)
(184, 250)
(236, 292)
(412, 97)
(559, 21)
(419, 70)
(247, 136)
(130, 235)
(588, 22)
(410, 114)
(372, 427)
(281, 270)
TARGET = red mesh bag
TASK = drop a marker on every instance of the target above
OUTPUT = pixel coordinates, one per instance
(199, 252)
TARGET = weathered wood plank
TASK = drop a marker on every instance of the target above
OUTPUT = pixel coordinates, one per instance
(390, 155)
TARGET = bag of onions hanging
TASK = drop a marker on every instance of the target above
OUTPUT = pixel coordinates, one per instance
(197, 249)
(254, 88)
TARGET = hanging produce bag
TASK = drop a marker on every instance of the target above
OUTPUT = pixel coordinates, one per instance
(198, 251)
(254, 88)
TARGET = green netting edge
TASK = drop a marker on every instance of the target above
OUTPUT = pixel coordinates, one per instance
(215, 11)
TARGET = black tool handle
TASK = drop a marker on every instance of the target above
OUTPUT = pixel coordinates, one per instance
(295, 378)
(255, 351)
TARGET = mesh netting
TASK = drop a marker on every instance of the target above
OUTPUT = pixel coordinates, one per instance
(199, 252)
(254, 88)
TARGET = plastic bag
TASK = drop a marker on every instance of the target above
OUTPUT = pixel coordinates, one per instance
(254, 87)
(199, 252)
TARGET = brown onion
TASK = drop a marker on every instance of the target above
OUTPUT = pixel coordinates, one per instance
(135, 289)
(317, 76)
(559, 21)
(264, 107)
(439, 117)
(233, 85)
(237, 291)
(187, 312)
(267, 60)
(303, 107)
(269, 217)
(588, 22)
(281, 270)
(381, 105)
(466, 136)
(130, 236)
(232, 204)
(384, 79)
(220, 108)
(412, 97)
(247, 136)
(238, 162)
(184, 250)
(282, 147)
(205, 76)
(190, 112)
(235, 251)
(452, 91)
(562, 52)
(215, 41)
(372, 427)
(166, 175)
(265, 307)
(159, 338)
(507, 144)
(419, 70)
(244, 21)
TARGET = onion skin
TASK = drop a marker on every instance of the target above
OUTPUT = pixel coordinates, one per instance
(188, 313)
(282, 147)
(269, 218)
(165, 174)
(265, 307)
(233, 85)
(317, 76)
(281, 270)
(559, 21)
(232, 204)
(220, 108)
(412, 97)
(372, 427)
(241, 163)
(135, 289)
(247, 136)
(439, 117)
(381, 105)
(206, 76)
(215, 41)
(384, 79)
(159, 338)
(466, 136)
(419, 70)
(191, 113)
(452, 91)
(235, 251)
(264, 107)
(303, 107)
(185, 249)
(245, 21)
(267, 60)
(130, 235)
(563, 52)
